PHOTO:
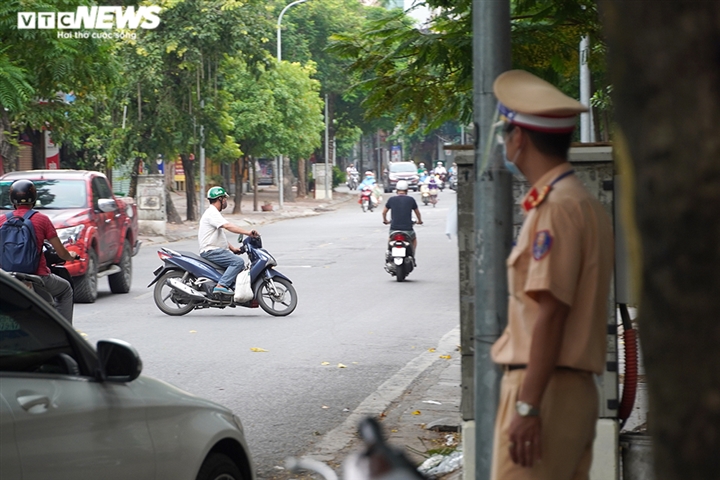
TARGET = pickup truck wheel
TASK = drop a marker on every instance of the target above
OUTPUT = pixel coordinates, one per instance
(85, 290)
(120, 282)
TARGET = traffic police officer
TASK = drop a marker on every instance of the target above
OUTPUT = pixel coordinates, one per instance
(559, 280)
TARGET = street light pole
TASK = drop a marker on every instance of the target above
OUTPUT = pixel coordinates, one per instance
(279, 59)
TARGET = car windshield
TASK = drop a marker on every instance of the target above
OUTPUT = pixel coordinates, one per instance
(52, 194)
(403, 167)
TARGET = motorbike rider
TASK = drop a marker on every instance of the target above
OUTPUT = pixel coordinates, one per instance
(440, 170)
(214, 245)
(370, 183)
(23, 196)
(402, 206)
(421, 169)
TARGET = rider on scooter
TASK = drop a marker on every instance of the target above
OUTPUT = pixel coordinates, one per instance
(214, 245)
(23, 196)
(402, 206)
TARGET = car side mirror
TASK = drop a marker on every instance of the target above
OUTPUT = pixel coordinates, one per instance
(107, 205)
(119, 361)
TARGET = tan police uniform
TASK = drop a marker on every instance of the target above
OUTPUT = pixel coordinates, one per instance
(565, 247)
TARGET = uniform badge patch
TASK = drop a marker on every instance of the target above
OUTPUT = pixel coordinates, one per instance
(542, 244)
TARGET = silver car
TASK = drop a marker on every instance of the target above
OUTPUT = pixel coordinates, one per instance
(68, 411)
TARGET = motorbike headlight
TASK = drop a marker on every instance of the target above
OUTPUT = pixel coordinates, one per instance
(70, 234)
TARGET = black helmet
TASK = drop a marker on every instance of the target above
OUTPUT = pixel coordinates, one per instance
(23, 192)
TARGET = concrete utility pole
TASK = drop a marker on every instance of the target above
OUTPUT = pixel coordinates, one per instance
(493, 220)
(327, 151)
(587, 129)
(202, 166)
(281, 185)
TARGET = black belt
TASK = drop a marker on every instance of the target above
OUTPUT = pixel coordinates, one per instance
(510, 368)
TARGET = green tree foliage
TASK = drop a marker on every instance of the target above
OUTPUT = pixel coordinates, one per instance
(423, 75)
(173, 79)
(275, 110)
(37, 61)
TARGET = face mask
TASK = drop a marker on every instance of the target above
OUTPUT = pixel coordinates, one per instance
(512, 168)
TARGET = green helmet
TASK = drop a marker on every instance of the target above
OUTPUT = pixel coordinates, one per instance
(216, 192)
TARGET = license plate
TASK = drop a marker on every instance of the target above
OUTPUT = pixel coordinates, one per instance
(398, 252)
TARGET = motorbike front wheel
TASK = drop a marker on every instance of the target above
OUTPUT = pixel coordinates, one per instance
(168, 300)
(280, 304)
(364, 205)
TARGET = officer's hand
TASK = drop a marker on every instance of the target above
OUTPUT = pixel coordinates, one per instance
(385, 222)
(74, 255)
(419, 222)
(254, 233)
(525, 440)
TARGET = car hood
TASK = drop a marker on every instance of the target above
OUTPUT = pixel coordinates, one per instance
(66, 218)
(159, 393)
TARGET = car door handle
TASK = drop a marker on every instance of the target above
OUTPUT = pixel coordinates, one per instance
(29, 401)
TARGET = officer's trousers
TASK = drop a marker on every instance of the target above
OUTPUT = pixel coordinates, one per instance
(568, 415)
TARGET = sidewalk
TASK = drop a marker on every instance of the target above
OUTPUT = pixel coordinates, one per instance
(303, 207)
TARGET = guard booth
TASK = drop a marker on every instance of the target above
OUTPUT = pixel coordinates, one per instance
(594, 166)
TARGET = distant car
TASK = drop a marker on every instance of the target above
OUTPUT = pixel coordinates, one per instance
(397, 171)
(68, 411)
(90, 220)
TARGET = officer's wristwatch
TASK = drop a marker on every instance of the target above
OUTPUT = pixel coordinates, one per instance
(526, 410)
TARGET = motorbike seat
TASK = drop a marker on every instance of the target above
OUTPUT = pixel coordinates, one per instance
(201, 259)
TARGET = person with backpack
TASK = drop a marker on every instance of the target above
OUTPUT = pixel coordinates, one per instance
(22, 233)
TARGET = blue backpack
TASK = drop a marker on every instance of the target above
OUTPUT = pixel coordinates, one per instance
(18, 244)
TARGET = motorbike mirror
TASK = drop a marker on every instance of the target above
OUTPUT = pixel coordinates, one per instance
(240, 238)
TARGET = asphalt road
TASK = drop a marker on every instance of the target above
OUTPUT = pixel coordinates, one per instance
(350, 312)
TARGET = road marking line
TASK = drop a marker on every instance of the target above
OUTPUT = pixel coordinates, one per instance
(144, 295)
(340, 436)
(296, 266)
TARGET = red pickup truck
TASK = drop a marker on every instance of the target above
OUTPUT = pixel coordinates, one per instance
(90, 220)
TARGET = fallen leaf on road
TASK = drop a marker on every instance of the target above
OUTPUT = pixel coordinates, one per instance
(340, 365)
(256, 349)
(431, 350)
(416, 412)
(446, 357)
(394, 430)
(325, 363)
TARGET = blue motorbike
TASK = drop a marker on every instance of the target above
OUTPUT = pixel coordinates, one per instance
(185, 282)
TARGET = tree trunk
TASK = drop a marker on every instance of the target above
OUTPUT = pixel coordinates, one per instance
(38, 148)
(288, 181)
(302, 180)
(239, 175)
(255, 184)
(134, 178)
(188, 166)
(8, 151)
(172, 214)
(665, 68)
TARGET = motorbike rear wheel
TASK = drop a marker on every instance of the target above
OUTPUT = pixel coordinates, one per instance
(400, 273)
(167, 300)
(279, 305)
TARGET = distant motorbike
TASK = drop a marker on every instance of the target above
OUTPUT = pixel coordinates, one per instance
(185, 282)
(366, 200)
(35, 282)
(353, 181)
(399, 259)
(425, 194)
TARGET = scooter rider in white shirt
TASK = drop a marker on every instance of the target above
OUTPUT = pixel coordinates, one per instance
(214, 245)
